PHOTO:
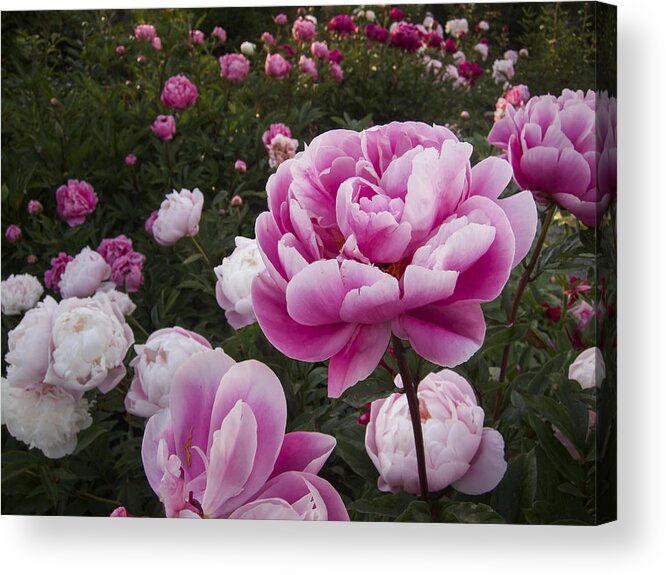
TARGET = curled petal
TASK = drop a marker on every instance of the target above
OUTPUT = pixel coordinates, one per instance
(487, 467)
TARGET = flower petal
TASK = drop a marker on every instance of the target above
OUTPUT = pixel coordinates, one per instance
(487, 467)
(303, 451)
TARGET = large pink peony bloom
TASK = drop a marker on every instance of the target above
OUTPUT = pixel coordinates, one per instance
(179, 93)
(220, 450)
(564, 150)
(459, 451)
(76, 199)
(234, 67)
(386, 230)
(277, 66)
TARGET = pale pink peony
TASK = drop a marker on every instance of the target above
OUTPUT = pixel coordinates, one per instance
(178, 216)
(20, 293)
(459, 450)
(564, 150)
(589, 368)
(84, 274)
(164, 127)
(195, 37)
(583, 312)
(303, 30)
(277, 66)
(308, 66)
(156, 43)
(319, 50)
(220, 449)
(179, 93)
(76, 199)
(145, 32)
(385, 231)
(154, 366)
(234, 67)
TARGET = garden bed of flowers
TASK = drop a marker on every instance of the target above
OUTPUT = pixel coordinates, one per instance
(327, 263)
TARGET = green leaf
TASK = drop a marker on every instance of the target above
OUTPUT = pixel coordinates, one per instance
(390, 505)
(191, 259)
(466, 512)
(517, 489)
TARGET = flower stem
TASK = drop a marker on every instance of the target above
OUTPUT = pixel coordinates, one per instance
(201, 250)
(525, 279)
(413, 402)
(138, 325)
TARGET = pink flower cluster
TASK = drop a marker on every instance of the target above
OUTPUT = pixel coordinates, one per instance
(220, 449)
(564, 149)
(386, 231)
(76, 199)
(126, 264)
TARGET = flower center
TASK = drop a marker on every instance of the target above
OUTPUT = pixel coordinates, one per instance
(395, 269)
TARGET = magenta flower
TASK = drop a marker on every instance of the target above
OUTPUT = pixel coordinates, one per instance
(220, 34)
(145, 32)
(564, 150)
(126, 271)
(395, 14)
(220, 450)
(76, 200)
(164, 127)
(406, 37)
(308, 66)
(376, 33)
(267, 38)
(336, 72)
(319, 50)
(459, 450)
(179, 93)
(274, 130)
(335, 56)
(281, 19)
(113, 248)
(156, 43)
(148, 224)
(450, 46)
(234, 67)
(195, 37)
(276, 66)
(35, 207)
(385, 231)
(13, 233)
(240, 166)
(53, 276)
(130, 159)
(342, 24)
(303, 30)
(517, 95)
(120, 49)
(471, 71)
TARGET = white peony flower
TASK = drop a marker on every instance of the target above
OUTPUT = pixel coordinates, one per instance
(248, 48)
(503, 71)
(482, 49)
(457, 26)
(483, 25)
(89, 341)
(84, 274)
(154, 366)
(511, 55)
(44, 417)
(117, 298)
(234, 282)
(28, 345)
(589, 368)
(20, 293)
(459, 56)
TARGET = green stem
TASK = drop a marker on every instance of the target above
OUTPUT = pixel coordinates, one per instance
(138, 326)
(413, 402)
(201, 250)
(525, 279)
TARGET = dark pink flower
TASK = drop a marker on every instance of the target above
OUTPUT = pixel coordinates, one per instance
(53, 276)
(126, 271)
(434, 40)
(148, 225)
(130, 159)
(274, 130)
(335, 56)
(281, 19)
(240, 166)
(179, 93)
(377, 33)
(380, 232)
(406, 37)
(120, 512)
(336, 72)
(303, 30)
(288, 49)
(35, 207)
(195, 37)
(267, 38)
(553, 313)
(234, 67)
(145, 32)
(113, 248)
(470, 71)
(342, 24)
(120, 49)
(164, 127)
(236, 201)
(450, 46)
(517, 95)
(76, 200)
(13, 234)
(276, 66)
(395, 14)
(220, 34)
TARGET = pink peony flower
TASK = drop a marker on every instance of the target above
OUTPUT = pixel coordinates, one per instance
(53, 276)
(240, 166)
(406, 37)
(303, 30)
(164, 127)
(308, 66)
(120, 49)
(195, 37)
(395, 14)
(220, 34)
(156, 43)
(13, 233)
(564, 150)
(342, 24)
(267, 38)
(281, 19)
(145, 32)
(471, 71)
(130, 159)
(178, 216)
(385, 231)
(31, 259)
(276, 66)
(281, 148)
(589, 368)
(376, 33)
(76, 200)
(319, 50)
(236, 201)
(126, 271)
(113, 248)
(459, 451)
(234, 67)
(450, 46)
(220, 450)
(517, 95)
(120, 512)
(274, 130)
(335, 56)
(148, 224)
(179, 93)
(583, 312)
(84, 274)
(154, 366)
(336, 72)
